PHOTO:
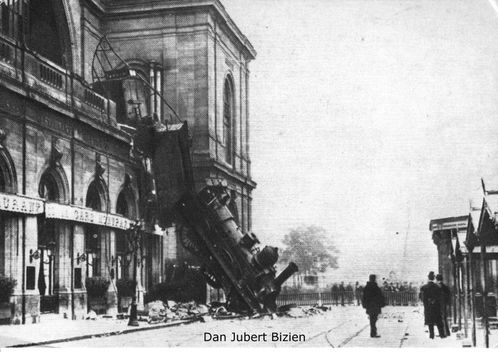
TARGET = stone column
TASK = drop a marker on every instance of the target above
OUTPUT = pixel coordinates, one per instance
(32, 295)
(112, 293)
(13, 260)
(63, 275)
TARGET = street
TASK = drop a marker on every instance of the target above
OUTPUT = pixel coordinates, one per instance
(338, 327)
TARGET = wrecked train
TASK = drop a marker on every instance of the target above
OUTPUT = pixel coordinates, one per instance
(231, 260)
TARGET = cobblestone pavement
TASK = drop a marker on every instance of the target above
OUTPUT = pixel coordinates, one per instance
(339, 327)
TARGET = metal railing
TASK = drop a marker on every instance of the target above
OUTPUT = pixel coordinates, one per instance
(403, 298)
(48, 80)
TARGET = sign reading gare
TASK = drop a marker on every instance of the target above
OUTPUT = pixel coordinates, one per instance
(89, 216)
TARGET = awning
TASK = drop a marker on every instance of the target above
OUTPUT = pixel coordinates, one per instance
(86, 215)
(26, 205)
(20, 204)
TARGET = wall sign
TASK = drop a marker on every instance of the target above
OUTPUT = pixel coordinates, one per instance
(20, 204)
(89, 216)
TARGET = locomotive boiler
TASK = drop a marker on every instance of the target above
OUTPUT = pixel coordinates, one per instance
(231, 260)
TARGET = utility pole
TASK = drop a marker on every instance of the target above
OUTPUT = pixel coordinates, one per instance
(405, 247)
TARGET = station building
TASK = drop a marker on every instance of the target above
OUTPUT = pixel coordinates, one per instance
(70, 182)
(467, 248)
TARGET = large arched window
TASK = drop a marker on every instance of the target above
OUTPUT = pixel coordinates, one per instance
(47, 31)
(228, 119)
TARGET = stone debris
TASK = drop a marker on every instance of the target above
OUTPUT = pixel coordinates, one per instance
(91, 315)
(293, 311)
(158, 311)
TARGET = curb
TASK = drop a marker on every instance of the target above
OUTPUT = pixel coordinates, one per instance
(104, 334)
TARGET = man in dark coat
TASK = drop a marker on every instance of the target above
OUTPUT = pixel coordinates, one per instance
(431, 295)
(373, 301)
(358, 293)
(342, 292)
(445, 302)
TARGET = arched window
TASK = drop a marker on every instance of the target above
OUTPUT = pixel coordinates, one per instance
(48, 188)
(228, 119)
(95, 196)
(52, 188)
(47, 31)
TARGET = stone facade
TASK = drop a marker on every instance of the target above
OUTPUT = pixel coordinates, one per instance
(69, 183)
(199, 50)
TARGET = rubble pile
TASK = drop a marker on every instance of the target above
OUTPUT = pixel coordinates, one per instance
(158, 311)
(292, 310)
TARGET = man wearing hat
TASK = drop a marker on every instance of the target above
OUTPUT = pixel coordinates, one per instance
(431, 295)
(373, 301)
(445, 302)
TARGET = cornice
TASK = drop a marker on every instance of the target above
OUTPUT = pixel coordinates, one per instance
(115, 10)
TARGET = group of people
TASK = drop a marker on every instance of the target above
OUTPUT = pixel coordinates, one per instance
(398, 287)
(436, 297)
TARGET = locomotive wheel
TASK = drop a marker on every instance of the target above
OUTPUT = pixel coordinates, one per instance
(187, 240)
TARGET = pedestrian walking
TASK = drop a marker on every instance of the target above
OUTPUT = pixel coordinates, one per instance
(342, 292)
(358, 293)
(349, 293)
(373, 301)
(335, 294)
(430, 294)
(445, 302)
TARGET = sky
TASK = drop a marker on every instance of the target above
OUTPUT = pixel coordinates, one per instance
(370, 118)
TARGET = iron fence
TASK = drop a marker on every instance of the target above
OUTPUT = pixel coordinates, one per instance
(403, 298)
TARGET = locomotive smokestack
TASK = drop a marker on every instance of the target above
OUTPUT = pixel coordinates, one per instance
(284, 275)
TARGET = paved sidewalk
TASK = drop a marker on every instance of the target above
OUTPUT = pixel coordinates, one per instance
(53, 329)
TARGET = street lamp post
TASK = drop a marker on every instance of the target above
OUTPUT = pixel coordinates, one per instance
(135, 234)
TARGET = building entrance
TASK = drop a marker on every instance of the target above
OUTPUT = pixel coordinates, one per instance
(46, 282)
